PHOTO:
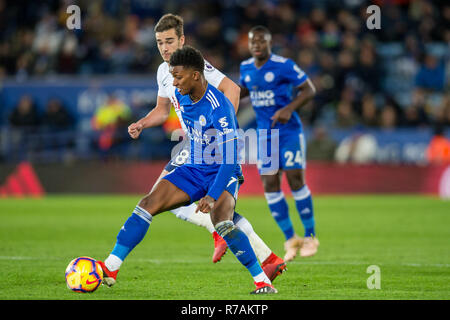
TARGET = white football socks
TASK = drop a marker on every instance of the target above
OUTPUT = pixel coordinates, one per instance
(262, 251)
(201, 219)
(187, 213)
(113, 262)
(262, 277)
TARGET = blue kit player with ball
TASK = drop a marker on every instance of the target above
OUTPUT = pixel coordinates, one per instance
(209, 177)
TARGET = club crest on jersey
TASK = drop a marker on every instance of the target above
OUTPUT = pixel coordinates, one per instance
(269, 76)
(202, 120)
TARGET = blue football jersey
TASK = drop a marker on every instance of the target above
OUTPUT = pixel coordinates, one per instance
(212, 128)
(271, 88)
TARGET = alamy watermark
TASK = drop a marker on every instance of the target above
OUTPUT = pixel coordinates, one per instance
(260, 147)
(374, 280)
(73, 21)
(374, 19)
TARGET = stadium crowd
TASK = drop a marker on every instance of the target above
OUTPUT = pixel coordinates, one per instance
(348, 62)
(395, 76)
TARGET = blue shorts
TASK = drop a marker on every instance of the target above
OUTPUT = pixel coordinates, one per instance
(181, 157)
(281, 151)
(196, 180)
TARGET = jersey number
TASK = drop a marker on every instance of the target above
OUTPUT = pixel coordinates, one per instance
(290, 159)
(182, 157)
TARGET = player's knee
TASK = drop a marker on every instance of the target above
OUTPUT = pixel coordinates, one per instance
(271, 186)
(295, 179)
(148, 204)
(271, 183)
(296, 185)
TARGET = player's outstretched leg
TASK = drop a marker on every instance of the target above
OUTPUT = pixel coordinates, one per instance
(238, 242)
(304, 204)
(131, 233)
(160, 199)
(272, 265)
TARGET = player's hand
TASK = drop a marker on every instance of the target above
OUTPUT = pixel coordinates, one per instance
(134, 130)
(205, 205)
(283, 115)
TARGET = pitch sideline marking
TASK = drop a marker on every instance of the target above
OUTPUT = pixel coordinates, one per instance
(161, 261)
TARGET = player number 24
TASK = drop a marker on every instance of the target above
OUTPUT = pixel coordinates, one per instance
(290, 159)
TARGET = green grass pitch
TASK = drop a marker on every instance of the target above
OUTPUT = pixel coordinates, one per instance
(406, 236)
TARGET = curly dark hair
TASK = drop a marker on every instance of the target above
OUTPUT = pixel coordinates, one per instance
(188, 57)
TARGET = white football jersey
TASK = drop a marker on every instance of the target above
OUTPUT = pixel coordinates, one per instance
(167, 90)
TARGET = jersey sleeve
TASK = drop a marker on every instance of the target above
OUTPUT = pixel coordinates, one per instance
(224, 123)
(159, 78)
(293, 74)
(212, 75)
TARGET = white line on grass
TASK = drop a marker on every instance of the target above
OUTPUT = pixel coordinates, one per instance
(161, 261)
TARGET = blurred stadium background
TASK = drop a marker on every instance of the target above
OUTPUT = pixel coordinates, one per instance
(380, 122)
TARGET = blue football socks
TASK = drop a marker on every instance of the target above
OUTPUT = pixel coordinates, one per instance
(280, 212)
(132, 232)
(303, 202)
(239, 244)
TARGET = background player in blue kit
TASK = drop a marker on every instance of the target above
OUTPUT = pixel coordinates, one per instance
(269, 79)
(211, 174)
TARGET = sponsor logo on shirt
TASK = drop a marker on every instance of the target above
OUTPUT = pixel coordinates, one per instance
(265, 98)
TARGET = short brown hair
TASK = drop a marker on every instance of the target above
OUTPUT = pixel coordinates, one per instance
(170, 21)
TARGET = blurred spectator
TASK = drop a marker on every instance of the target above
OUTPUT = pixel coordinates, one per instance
(415, 117)
(57, 123)
(307, 63)
(415, 114)
(24, 121)
(25, 114)
(388, 117)
(56, 116)
(431, 74)
(438, 151)
(346, 71)
(369, 112)
(368, 68)
(442, 111)
(360, 148)
(110, 120)
(345, 115)
(321, 146)
(67, 61)
(172, 123)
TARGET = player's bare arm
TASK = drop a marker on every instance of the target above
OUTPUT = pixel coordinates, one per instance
(283, 115)
(231, 90)
(156, 117)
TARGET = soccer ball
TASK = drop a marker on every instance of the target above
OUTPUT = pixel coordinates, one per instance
(84, 274)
